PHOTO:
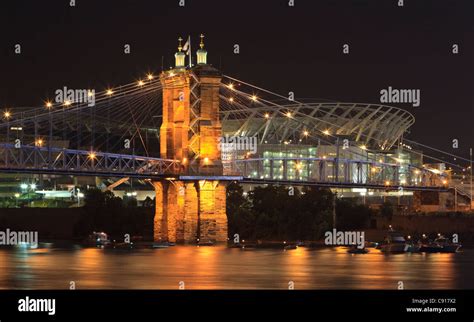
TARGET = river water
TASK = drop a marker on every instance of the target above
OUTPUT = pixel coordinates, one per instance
(229, 268)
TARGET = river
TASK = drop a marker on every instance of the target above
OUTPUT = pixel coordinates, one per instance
(218, 267)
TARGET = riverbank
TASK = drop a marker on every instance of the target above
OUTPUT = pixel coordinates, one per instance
(138, 221)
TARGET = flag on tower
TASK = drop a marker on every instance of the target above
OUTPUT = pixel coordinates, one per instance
(187, 46)
(187, 49)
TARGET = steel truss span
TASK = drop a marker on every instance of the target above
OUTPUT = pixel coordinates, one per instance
(43, 160)
(332, 172)
(308, 171)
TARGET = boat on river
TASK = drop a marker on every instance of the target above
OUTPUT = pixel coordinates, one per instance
(440, 245)
(394, 242)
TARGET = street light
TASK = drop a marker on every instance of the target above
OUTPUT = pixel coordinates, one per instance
(7, 115)
(17, 195)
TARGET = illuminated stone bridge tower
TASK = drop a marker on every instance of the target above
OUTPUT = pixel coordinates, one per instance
(192, 208)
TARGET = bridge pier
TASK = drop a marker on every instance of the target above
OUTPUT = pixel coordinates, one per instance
(188, 212)
(212, 211)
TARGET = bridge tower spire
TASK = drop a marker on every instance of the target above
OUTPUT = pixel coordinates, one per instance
(201, 53)
(191, 209)
(179, 56)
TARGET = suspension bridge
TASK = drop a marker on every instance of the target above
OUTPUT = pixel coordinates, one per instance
(168, 129)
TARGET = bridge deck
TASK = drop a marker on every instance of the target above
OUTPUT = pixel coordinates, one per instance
(343, 173)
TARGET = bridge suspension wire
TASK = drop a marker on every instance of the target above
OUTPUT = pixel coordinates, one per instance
(125, 110)
(328, 134)
(438, 159)
(320, 138)
(128, 89)
(325, 121)
(438, 150)
(300, 103)
(121, 110)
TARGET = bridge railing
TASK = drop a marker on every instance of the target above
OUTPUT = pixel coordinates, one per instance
(332, 170)
(43, 160)
(33, 159)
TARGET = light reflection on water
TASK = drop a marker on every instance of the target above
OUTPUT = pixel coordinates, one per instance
(230, 268)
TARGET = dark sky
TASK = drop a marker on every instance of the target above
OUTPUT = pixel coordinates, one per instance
(282, 48)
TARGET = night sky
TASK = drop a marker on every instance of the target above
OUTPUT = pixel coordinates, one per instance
(282, 49)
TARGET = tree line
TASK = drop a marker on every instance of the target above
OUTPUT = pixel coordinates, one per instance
(266, 213)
